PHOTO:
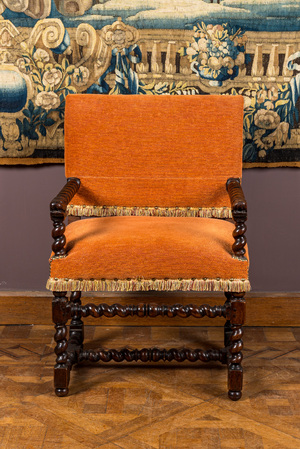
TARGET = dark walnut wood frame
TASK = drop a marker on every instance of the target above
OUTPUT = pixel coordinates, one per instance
(69, 350)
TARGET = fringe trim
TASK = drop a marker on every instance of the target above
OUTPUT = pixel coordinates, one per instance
(241, 259)
(130, 285)
(112, 211)
(58, 257)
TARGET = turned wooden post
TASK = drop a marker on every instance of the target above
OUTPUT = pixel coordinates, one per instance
(227, 325)
(62, 368)
(60, 307)
(76, 326)
(239, 214)
(58, 207)
(235, 356)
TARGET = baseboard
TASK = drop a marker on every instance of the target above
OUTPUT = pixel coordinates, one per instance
(263, 309)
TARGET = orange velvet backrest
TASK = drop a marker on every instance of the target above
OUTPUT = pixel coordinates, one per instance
(146, 151)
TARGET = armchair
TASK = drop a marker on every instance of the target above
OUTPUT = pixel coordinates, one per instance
(160, 180)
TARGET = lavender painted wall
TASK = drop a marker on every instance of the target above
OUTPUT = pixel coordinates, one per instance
(273, 197)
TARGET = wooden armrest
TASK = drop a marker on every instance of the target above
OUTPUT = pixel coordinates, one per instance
(236, 195)
(58, 207)
(239, 214)
(60, 202)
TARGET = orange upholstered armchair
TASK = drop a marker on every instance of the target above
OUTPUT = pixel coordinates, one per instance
(160, 179)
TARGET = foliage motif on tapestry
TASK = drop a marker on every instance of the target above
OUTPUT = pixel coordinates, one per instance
(268, 118)
(52, 83)
(70, 52)
(217, 53)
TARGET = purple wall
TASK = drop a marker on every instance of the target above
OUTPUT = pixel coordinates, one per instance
(273, 227)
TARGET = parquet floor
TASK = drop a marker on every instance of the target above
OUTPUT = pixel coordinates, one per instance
(150, 406)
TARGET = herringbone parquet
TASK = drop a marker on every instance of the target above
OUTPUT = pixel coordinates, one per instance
(135, 406)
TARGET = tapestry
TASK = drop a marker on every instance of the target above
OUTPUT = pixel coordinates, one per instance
(53, 48)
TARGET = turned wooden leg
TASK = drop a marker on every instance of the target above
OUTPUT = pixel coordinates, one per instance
(76, 326)
(62, 367)
(235, 370)
(227, 325)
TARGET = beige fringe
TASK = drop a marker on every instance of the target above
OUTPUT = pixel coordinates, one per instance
(58, 257)
(111, 211)
(241, 258)
(132, 285)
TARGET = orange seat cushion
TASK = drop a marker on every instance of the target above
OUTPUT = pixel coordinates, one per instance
(143, 253)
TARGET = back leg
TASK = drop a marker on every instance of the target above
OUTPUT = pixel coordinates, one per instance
(76, 326)
(227, 325)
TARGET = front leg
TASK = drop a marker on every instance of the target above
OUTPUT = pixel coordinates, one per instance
(235, 370)
(62, 367)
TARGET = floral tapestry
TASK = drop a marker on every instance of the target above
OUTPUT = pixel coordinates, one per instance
(53, 48)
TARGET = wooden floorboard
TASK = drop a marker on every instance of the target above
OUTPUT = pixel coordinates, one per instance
(164, 406)
(263, 309)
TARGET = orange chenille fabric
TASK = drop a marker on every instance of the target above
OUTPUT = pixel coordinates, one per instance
(147, 248)
(147, 151)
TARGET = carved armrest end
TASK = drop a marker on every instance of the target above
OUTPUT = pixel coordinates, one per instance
(60, 202)
(236, 195)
